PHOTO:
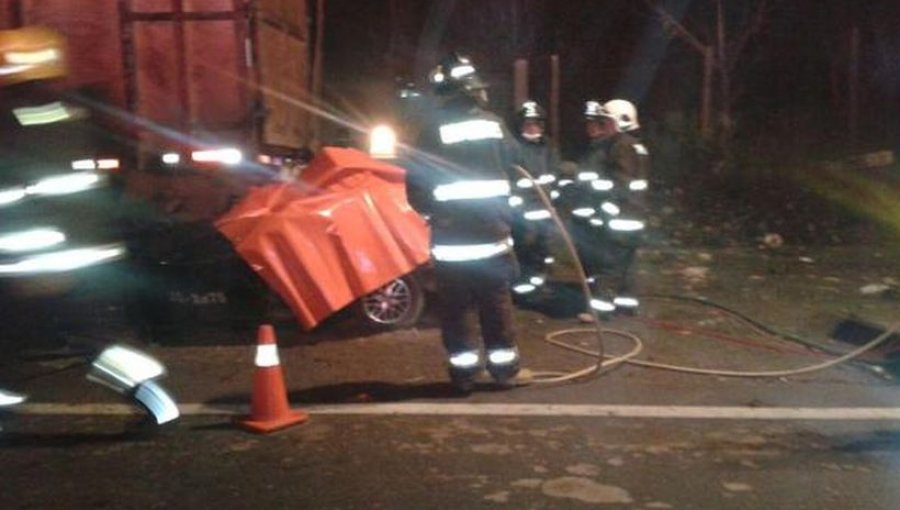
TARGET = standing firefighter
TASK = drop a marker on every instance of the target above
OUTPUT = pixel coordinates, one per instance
(629, 167)
(466, 176)
(606, 205)
(533, 222)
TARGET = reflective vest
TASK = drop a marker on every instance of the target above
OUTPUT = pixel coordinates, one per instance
(465, 182)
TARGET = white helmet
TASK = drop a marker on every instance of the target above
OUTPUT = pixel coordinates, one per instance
(624, 113)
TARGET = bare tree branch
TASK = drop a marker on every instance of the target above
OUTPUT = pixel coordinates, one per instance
(753, 26)
(672, 26)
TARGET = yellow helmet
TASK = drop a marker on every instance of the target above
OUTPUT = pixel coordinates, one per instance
(31, 53)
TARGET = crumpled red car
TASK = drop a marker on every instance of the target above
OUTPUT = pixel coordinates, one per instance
(342, 231)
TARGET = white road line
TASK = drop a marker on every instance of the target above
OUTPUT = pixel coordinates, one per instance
(538, 410)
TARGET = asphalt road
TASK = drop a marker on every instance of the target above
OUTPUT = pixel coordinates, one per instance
(386, 431)
(379, 461)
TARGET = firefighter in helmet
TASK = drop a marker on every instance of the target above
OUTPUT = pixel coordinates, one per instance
(629, 167)
(464, 170)
(533, 223)
(607, 206)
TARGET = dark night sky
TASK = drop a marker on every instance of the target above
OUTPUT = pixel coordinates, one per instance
(792, 75)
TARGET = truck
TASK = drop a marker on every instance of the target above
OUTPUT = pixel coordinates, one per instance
(194, 86)
(204, 100)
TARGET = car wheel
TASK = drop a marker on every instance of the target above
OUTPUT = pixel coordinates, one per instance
(398, 304)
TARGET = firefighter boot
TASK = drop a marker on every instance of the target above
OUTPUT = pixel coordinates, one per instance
(503, 365)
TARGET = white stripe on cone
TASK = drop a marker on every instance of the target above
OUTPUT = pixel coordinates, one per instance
(267, 356)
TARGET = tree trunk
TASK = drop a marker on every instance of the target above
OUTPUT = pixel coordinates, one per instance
(725, 120)
(853, 89)
(554, 98)
(706, 94)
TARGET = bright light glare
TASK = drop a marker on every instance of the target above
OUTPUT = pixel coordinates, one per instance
(124, 368)
(540, 214)
(61, 261)
(603, 185)
(228, 156)
(8, 398)
(11, 195)
(84, 164)
(637, 185)
(30, 240)
(471, 190)
(602, 306)
(30, 58)
(44, 114)
(108, 164)
(467, 359)
(626, 225)
(171, 158)
(524, 288)
(383, 142)
(610, 208)
(466, 252)
(471, 131)
(502, 356)
(64, 184)
(584, 212)
(461, 71)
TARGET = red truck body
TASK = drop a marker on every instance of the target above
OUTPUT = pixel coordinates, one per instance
(179, 75)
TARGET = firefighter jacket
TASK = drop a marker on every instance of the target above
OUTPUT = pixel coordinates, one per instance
(609, 187)
(462, 182)
(541, 161)
(585, 191)
(629, 163)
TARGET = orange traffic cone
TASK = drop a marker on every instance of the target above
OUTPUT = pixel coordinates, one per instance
(269, 409)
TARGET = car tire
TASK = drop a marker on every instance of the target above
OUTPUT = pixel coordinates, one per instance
(398, 304)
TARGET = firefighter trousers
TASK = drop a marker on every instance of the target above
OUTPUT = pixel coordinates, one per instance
(532, 244)
(478, 288)
(608, 258)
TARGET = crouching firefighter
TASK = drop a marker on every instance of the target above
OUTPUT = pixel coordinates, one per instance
(464, 163)
(533, 222)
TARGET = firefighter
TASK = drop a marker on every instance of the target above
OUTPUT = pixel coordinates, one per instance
(464, 165)
(532, 223)
(607, 210)
(626, 116)
(585, 189)
(629, 170)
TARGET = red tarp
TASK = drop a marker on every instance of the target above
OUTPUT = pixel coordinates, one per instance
(344, 230)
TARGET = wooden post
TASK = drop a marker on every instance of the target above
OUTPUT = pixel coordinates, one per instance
(520, 81)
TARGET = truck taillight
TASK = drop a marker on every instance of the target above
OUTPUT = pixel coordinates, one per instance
(171, 158)
(227, 156)
(108, 164)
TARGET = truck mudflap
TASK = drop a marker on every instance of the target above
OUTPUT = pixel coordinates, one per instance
(342, 231)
